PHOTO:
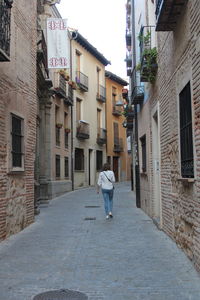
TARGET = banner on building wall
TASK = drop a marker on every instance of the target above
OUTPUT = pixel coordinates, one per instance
(57, 47)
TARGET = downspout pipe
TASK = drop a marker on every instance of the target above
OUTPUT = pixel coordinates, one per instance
(134, 83)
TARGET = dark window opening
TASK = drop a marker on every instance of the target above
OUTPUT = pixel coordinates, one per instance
(57, 166)
(57, 136)
(144, 153)
(99, 160)
(186, 138)
(17, 140)
(79, 159)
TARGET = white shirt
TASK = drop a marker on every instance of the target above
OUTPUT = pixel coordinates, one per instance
(104, 182)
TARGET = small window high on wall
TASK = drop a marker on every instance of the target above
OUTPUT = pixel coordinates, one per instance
(186, 134)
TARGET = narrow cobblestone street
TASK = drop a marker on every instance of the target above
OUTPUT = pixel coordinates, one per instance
(124, 258)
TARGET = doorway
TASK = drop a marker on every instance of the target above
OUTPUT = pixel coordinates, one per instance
(90, 164)
(156, 167)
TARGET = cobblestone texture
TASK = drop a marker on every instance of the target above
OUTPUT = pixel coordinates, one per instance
(124, 258)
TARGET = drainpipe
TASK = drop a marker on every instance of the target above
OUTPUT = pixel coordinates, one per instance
(134, 83)
(72, 119)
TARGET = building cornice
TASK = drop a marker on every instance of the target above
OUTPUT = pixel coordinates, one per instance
(85, 44)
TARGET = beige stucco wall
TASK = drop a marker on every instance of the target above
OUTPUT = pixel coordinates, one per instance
(89, 105)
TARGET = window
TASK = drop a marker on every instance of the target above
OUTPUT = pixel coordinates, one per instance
(58, 125)
(144, 154)
(99, 160)
(66, 167)
(79, 159)
(66, 131)
(98, 120)
(186, 139)
(66, 140)
(17, 142)
(78, 109)
(78, 61)
(57, 136)
(57, 166)
(114, 94)
(98, 80)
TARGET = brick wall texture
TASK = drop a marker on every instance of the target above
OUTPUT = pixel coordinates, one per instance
(18, 96)
(179, 63)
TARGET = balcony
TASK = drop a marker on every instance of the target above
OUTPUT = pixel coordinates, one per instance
(116, 111)
(60, 87)
(148, 55)
(125, 94)
(42, 52)
(137, 95)
(118, 144)
(128, 60)
(69, 99)
(129, 71)
(167, 13)
(128, 38)
(82, 81)
(101, 136)
(101, 94)
(83, 130)
(5, 16)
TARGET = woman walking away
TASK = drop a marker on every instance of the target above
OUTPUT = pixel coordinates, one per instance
(105, 181)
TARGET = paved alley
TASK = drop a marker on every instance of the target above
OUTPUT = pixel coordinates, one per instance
(72, 246)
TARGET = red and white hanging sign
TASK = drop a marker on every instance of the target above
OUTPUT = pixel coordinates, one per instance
(57, 43)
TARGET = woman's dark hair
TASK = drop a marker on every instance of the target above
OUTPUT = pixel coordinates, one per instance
(106, 167)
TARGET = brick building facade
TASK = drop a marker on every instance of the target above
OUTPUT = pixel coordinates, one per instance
(18, 118)
(167, 118)
(179, 62)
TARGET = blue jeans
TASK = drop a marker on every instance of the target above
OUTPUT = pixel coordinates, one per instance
(108, 200)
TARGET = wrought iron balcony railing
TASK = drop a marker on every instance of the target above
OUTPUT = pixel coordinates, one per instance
(101, 94)
(82, 81)
(167, 14)
(118, 144)
(69, 99)
(60, 85)
(101, 136)
(83, 130)
(5, 18)
(137, 95)
(116, 111)
(128, 38)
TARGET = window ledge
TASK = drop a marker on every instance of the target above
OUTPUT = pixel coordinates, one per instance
(16, 172)
(186, 180)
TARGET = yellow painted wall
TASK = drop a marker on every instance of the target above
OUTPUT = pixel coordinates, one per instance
(110, 119)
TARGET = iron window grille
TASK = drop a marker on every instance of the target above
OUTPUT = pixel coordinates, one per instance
(57, 166)
(79, 159)
(17, 142)
(57, 136)
(5, 18)
(144, 153)
(66, 137)
(186, 138)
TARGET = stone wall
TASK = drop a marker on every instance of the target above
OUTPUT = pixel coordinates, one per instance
(18, 96)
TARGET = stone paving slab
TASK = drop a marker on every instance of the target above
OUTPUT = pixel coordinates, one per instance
(124, 258)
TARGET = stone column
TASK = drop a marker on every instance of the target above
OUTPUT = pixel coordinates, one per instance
(45, 146)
